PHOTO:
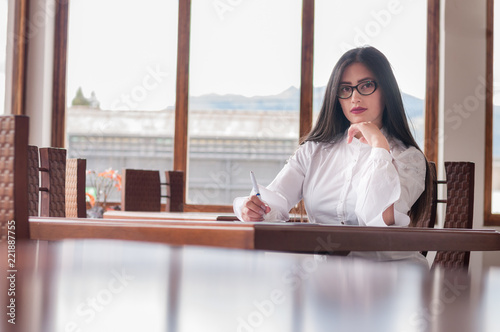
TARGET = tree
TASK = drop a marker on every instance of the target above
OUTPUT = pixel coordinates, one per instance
(80, 99)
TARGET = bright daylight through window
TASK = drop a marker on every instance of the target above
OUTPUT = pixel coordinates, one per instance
(121, 84)
(244, 95)
(397, 28)
(495, 199)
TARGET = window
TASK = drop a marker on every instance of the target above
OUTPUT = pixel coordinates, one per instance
(3, 52)
(492, 160)
(238, 63)
(121, 83)
(495, 199)
(379, 24)
(244, 95)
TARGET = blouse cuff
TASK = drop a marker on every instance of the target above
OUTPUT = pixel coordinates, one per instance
(237, 206)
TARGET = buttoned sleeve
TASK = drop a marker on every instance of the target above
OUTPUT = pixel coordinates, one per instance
(287, 185)
(396, 177)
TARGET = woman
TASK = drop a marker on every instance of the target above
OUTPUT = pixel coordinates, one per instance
(359, 165)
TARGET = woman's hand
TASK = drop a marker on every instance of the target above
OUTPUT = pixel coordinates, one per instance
(367, 133)
(254, 209)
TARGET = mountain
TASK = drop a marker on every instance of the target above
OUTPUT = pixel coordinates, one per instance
(284, 101)
(287, 100)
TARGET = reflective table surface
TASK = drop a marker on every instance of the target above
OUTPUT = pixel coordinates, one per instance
(113, 285)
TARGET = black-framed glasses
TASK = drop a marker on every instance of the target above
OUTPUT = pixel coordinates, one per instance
(364, 88)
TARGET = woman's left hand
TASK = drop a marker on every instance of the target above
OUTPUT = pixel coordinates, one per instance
(368, 133)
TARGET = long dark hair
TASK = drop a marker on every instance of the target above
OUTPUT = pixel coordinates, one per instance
(332, 124)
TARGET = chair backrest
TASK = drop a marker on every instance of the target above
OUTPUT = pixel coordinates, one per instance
(33, 180)
(14, 131)
(459, 210)
(175, 191)
(141, 190)
(52, 182)
(429, 219)
(75, 188)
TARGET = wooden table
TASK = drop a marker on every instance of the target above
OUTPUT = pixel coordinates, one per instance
(288, 237)
(202, 216)
(103, 285)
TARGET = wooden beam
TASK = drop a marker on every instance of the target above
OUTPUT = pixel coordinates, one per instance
(20, 57)
(432, 86)
(59, 75)
(307, 61)
(182, 90)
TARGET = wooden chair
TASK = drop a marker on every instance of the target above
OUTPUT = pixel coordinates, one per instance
(459, 210)
(141, 190)
(52, 182)
(175, 191)
(14, 131)
(429, 219)
(75, 188)
(33, 180)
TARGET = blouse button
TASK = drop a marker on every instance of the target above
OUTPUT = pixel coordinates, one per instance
(342, 222)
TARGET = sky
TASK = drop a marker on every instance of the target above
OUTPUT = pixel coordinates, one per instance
(246, 47)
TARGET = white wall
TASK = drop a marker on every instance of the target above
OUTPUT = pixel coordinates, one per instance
(462, 111)
(39, 71)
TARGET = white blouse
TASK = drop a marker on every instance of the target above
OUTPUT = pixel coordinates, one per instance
(348, 184)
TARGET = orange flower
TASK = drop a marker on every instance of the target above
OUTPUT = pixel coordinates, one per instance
(91, 199)
(104, 183)
(118, 182)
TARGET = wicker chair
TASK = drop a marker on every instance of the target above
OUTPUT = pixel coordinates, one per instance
(75, 188)
(175, 191)
(33, 180)
(429, 219)
(459, 210)
(14, 180)
(53, 182)
(142, 190)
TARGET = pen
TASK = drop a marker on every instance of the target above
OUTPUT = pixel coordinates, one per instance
(254, 183)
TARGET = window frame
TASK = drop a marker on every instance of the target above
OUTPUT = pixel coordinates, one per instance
(306, 89)
(490, 219)
(20, 57)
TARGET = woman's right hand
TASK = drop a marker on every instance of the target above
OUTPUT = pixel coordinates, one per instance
(254, 209)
